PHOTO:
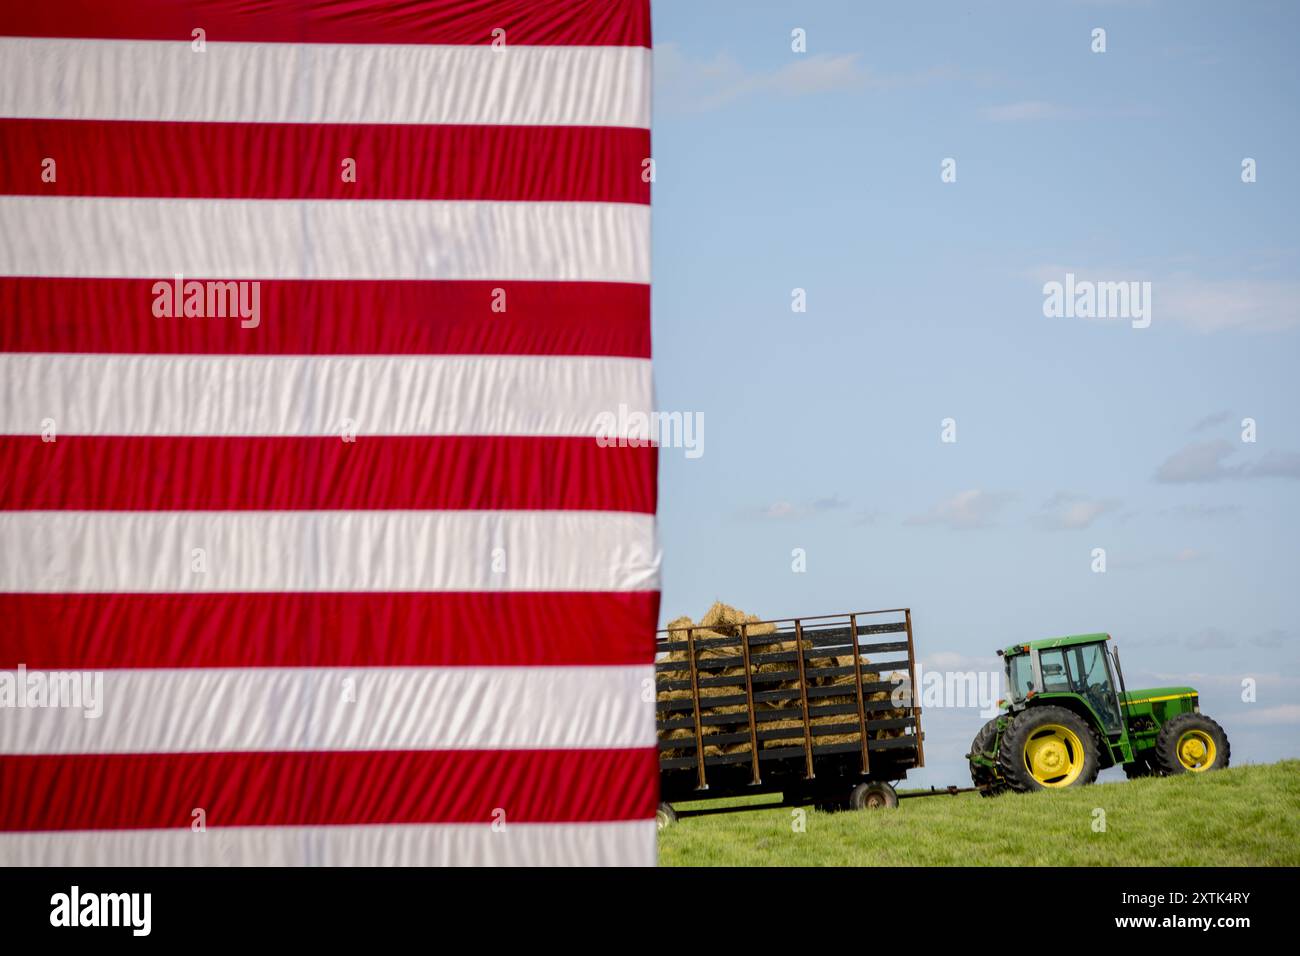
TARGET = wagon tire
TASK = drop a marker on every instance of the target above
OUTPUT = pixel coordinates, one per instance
(874, 795)
(665, 816)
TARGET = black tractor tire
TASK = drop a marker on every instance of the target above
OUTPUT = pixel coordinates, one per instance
(983, 777)
(1166, 754)
(665, 816)
(874, 795)
(1027, 723)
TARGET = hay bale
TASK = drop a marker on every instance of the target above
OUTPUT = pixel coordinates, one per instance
(850, 697)
(676, 656)
(725, 619)
(720, 622)
(893, 713)
(792, 739)
(777, 667)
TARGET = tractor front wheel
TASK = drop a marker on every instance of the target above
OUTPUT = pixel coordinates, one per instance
(1048, 748)
(1191, 743)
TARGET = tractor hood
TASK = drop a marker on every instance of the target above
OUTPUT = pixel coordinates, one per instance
(1153, 694)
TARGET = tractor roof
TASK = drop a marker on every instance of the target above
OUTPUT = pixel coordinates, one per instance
(1067, 641)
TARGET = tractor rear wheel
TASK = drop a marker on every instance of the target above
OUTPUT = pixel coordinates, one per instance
(983, 777)
(1191, 743)
(1048, 748)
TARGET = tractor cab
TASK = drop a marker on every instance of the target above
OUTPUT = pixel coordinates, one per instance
(1081, 667)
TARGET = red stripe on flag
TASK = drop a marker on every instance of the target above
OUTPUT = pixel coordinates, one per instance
(459, 22)
(299, 161)
(334, 317)
(345, 629)
(69, 792)
(433, 473)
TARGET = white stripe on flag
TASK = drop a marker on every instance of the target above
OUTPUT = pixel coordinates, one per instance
(283, 395)
(631, 842)
(215, 710)
(247, 551)
(324, 83)
(324, 239)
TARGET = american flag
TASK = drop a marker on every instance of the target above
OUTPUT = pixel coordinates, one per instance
(310, 312)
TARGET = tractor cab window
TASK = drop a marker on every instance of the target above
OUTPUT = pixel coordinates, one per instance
(1083, 670)
(1097, 683)
(1056, 675)
(1020, 675)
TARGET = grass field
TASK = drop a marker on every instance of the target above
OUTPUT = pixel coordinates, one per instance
(1243, 816)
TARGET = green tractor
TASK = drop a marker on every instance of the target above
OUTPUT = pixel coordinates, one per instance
(1069, 716)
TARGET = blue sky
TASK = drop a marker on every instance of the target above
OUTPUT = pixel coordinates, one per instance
(777, 170)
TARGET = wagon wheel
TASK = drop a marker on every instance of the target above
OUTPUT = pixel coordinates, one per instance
(874, 795)
(665, 816)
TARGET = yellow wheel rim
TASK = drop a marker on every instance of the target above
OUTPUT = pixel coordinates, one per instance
(1054, 755)
(1196, 751)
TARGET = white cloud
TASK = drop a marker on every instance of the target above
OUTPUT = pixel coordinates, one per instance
(1273, 637)
(1269, 716)
(956, 661)
(1250, 304)
(1214, 305)
(1203, 512)
(1209, 421)
(789, 509)
(1068, 512)
(694, 85)
(965, 510)
(1202, 461)
(1207, 461)
(1276, 464)
(1210, 639)
(1219, 683)
(829, 503)
(1024, 111)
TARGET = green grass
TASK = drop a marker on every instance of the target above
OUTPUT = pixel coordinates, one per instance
(1243, 816)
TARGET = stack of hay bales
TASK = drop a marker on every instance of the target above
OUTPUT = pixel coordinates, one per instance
(722, 621)
(719, 621)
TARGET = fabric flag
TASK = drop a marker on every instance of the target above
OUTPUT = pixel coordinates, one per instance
(313, 548)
